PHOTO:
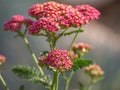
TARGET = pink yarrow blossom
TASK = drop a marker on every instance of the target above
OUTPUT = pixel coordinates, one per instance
(59, 59)
(28, 22)
(47, 24)
(36, 10)
(41, 60)
(2, 59)
(14, 23)
(81, 46)
(64, 14)
(94, 70)
(89, 12)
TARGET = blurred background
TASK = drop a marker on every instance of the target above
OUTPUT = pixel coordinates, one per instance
(103, 35)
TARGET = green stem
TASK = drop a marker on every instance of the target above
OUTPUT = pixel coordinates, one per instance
(91, 84)
(73, 40)
(3, 83)
(68, 80)
(33, 55)
(61, 34)
(31, 51)
(55, 81)
(90, 87)
(71, 74)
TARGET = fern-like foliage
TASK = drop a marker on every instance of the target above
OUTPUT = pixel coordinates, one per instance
(80, 63)
(31, 74)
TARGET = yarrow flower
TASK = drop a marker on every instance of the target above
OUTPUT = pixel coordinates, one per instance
(14, 23)
(89, 12)
(36, 10)
(41, 60)
(43, 23)
(2, 59)
(28, 22)
(94, 70)
(59, 59)
(81, 47)
(72, 55)
(64, 14)
(52, 16)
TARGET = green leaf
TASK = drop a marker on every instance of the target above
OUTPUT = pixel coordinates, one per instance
(73, 31)
(80, 63)
(31, 74)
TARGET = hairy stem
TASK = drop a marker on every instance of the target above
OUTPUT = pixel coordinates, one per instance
(31, 52)
(33, 55)
(3, 83)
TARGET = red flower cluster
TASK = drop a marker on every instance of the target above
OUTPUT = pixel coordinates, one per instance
(82, 47)
(52, 16)
(2, 59)
(62, 14)
(43, 23)
(59, 59)
(15, 23)
(94, 70)
(89, 12)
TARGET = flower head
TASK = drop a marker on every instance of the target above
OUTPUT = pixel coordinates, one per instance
(36, 10)
(72, 55)
(14, 23)
(41, 60)
(47, 24)
(2, 59)
(81, 47)
(89, 12)
(59, 59)
(94, 70)
(28, 22)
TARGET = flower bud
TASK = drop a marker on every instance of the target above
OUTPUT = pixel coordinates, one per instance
(94, 70)
(2, 59)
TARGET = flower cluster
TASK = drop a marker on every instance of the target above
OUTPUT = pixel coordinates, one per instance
(81, 47)
(59, 59)
(63, 15)
(52, 16)
(89, 13)
(41, 60)
(2, 59)
(15, 23)
(94, 70)
(72, 55)
(43, 23)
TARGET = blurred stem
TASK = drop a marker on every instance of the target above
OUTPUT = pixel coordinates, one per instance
(31, 51)
(68, 80)
(71, 73)
(3, 83)
(73, 40)
(91, 84)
